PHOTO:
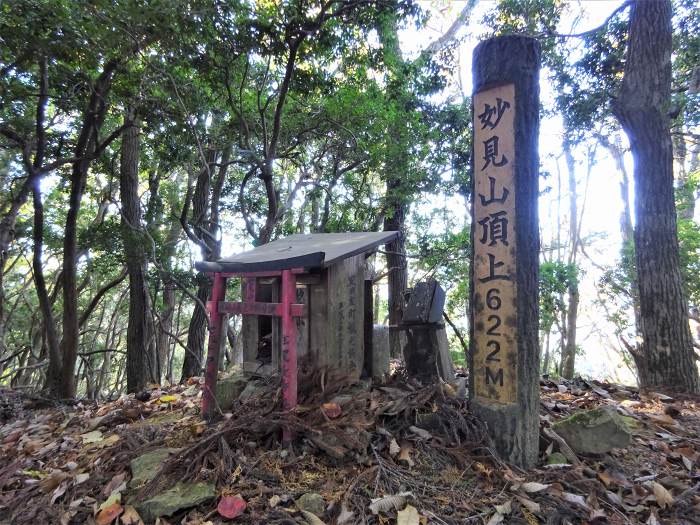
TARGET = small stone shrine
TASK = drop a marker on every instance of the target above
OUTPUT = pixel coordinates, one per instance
(306, 295)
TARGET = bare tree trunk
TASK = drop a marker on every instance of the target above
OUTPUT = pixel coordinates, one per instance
(205, 207)
(545, 364)
(93, 117)
(165, 325)
(396, 168)
(141, 367)
(667, 358)
(569, 350)
(52, 339)
(626, 229)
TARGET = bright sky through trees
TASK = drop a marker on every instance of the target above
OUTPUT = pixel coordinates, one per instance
(602, 203)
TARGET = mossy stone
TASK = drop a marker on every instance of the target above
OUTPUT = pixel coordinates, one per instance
(556, 458)
(229, 388)
(595, 431)
(146, 466)
(181, 496)
(312, 502)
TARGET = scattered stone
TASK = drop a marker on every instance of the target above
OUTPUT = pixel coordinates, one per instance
(145, 467)
(143, 396)
(661, 397)
(181, 496)
(312, 502)
(595, 431)
(228, 389)
(556, 458)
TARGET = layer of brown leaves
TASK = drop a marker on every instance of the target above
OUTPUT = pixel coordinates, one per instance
(415, 447)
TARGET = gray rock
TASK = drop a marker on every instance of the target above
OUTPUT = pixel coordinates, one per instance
(312, 502)
(146, 466)
(595, 431)
(229, 388)
(181, 496)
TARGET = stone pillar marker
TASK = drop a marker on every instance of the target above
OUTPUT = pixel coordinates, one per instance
(504, 357)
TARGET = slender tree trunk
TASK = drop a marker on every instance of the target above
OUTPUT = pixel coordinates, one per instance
(396, 168)
(141, 366)
(315, 211)
(205, 206)
(165, 324)
(642, 107)
(93, 117)
(627, 231)
(569, 350)
(397, 276)
(545, 364)
(52, 339)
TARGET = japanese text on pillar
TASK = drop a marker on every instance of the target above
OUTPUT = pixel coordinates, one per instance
(495, 349)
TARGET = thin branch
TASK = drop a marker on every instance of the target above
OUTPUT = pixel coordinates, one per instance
(458, 333)
(597, 29)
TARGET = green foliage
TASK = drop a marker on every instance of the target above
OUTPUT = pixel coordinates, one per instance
(555, 279)
(689, 239)
(445, 257)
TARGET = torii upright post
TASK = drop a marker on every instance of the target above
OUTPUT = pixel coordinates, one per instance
(504, 357)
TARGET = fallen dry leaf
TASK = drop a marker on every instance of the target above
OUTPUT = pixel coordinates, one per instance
(394, 448)
(114, 483)
(408, 516)
(504, 508)
(81, 478)
(529, 517)
(389, 503)
(231, 506)
(576, 499)
(687, 463)
(60, 491)
(311, 518)
(170, 398)
(331, 410)
(52, 481)
(533, 486)
(663, 420)
(346, 516)
(92, 437)
(130, 516)
(420, 432)
(405, 455)
(653, 520)
(663, 496)
(532, 506)
(115, 497)
(108, 514)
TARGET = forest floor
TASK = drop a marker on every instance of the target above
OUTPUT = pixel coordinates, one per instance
(398, 453)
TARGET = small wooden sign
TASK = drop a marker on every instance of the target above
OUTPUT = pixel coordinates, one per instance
(495, 338)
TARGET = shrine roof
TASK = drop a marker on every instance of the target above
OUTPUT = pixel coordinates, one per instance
(311, 250)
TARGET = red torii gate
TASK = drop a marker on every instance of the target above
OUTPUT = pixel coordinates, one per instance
(286, 309)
